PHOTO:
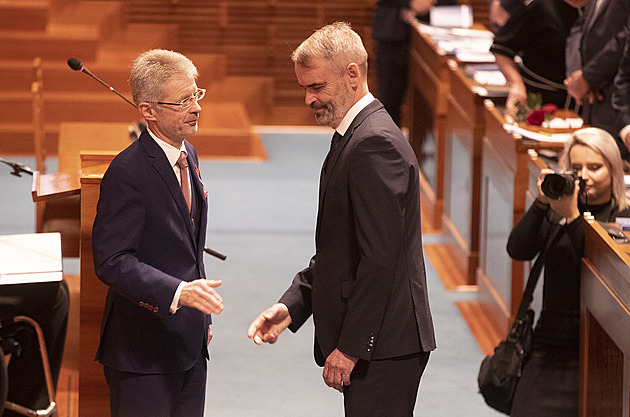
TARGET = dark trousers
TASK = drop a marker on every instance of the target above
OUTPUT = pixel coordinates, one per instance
(180, 394)
(385, 388)
(549, 387)
(392, 67)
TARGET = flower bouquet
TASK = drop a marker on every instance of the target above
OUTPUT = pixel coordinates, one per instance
(536, 116)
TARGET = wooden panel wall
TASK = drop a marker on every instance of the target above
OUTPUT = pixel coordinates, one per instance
(257, 36)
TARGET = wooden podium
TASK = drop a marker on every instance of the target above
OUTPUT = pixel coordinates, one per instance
(93, 398)
(605, 326)
(93, 390)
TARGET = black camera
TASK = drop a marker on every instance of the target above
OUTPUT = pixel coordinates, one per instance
(559, 184)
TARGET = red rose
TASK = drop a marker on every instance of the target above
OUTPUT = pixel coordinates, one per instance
(549, 108)
(536, 118)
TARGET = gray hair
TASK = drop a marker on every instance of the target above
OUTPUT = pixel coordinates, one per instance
(153, 69)
(604, 144)
(337, 43)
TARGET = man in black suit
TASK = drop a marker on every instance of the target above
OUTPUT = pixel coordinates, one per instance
(601, 40)
(621, 95)
(392, 32)
(365, 286)
(148, 242)
(502, 10)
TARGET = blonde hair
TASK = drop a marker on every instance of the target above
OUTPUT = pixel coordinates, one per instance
(337, 43)
(153, 69)
(604, 144)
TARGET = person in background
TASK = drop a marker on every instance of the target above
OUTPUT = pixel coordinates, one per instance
(501, 10)
(549, 384)
(365, 286)
(536, 37)
(600, 43)
(391, 29)
(148, 242)
(621, 91)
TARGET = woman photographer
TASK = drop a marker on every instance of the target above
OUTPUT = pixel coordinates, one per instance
(550, 379)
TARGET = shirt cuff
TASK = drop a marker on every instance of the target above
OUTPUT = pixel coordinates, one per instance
(624, 132)
(175, 304)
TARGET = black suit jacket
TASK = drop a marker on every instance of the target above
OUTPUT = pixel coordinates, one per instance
(601, 49)
(621, 96)
(144, 245)
(365, 285)
(386, 24)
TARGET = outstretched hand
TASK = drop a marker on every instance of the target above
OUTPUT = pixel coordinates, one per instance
(269, 324)
(200, 294)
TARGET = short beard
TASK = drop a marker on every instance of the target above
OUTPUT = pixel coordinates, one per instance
(327, 117)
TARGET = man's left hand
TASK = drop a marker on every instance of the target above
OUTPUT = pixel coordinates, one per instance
(337, 369)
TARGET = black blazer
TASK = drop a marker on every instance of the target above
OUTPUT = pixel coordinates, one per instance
(601, 49)
(621, 96)
(386, 24)
(144, 245)
(365, 285)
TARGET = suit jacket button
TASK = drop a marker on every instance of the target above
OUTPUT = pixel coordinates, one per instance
(155, 309)
(141, 303)
(369, 349)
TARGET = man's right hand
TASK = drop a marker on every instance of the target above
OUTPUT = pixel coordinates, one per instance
(200, 294)
(269, 324)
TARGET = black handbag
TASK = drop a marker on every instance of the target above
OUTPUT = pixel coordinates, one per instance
(500, 372)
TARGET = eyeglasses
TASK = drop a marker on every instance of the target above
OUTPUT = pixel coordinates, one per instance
(188, 101)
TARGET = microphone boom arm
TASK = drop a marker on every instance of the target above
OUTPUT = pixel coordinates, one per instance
(108, 86)
(76, 65)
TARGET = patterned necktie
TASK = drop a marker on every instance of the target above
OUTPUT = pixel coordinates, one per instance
(183, 170)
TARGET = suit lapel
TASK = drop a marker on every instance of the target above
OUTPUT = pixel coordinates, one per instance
(332, 160)
(160, 163)
(595, 15)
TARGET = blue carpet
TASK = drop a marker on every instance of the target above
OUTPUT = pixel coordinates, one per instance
(262, 216)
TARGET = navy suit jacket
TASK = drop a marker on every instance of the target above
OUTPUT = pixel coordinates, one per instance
(145, 243)
(365, 285)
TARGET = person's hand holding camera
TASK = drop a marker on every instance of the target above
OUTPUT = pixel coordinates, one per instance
(566, 205)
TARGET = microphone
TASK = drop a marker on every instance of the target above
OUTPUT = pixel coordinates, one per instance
(76, 65)
(17, 168)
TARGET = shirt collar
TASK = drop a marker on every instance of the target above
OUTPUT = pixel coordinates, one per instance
(352, 113)
(172, 153)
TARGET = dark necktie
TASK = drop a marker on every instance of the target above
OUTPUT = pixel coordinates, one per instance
(333, 145)
(183, 171)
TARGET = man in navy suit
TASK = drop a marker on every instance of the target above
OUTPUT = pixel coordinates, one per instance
(365, 286)
(148, 241)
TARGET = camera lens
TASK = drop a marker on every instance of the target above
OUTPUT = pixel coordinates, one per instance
(555, 186)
